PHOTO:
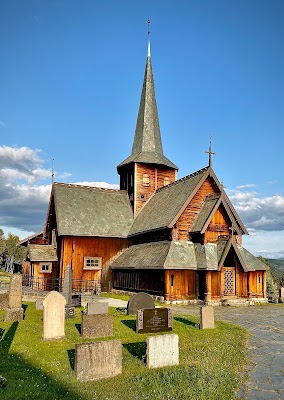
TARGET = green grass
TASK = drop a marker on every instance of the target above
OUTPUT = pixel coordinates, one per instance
(210, 367)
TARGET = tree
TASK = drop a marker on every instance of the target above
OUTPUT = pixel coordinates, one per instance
(271, 281)
(9, 248)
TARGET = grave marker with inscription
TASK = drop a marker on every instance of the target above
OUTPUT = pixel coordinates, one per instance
(15, 312)
(154, 320)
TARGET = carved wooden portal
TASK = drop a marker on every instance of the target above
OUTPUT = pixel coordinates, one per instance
(229, 281)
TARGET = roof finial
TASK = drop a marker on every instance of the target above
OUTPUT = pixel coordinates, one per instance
(149, 50)
(209, 151)
(52, 172)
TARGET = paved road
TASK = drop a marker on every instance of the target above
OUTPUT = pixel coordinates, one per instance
(266, 347)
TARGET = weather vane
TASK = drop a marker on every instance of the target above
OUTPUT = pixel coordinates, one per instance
(209, 151)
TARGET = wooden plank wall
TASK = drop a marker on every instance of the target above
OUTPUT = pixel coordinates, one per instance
(190, 213)
(184, 284)
(156, 175)
(219, 225)
(73, 250)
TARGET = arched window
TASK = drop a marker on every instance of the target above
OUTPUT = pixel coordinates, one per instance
(146, 180)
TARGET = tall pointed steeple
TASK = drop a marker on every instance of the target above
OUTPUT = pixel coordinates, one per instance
(147, 146)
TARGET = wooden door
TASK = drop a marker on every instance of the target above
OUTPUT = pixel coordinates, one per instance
(229, 286)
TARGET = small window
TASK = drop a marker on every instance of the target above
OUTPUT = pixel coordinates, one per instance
(45, 267)
(172, 279)
(92, 263)
(146, 180)
(166, 181)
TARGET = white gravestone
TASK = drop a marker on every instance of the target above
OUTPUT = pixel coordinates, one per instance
(162, 351)
(53, 316)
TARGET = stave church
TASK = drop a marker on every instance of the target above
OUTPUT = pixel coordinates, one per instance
(176, 238)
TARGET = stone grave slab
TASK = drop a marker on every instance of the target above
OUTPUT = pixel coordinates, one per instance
(97, 307)
(96, 325)
(281, 295)
(140, 301)
(207, 317)
(162, 351)
(39, 304)
(15, 291)
(154, 320)
(67, 293)
(14, 314)
(4, 300)
(53, 316)
(98, 360)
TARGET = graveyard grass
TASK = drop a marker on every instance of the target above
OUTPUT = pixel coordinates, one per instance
(211, 362)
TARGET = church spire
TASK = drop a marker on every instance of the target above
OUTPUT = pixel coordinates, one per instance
(147, 145)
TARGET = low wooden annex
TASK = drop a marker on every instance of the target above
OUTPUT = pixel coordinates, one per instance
(181, 239)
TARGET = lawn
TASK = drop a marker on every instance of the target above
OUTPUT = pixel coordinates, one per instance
(210, 362)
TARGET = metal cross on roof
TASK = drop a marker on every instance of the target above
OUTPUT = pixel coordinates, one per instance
(149, 22)
(209, 151)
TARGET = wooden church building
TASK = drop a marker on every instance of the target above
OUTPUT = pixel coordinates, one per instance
(181, 239)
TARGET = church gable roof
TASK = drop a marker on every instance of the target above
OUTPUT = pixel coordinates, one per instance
(147, 146)
(91, 211)
(163, 207)
(203, 218)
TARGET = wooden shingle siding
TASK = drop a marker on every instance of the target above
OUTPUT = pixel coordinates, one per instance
(190, 213)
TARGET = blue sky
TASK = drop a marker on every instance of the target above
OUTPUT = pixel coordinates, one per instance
(70, 85)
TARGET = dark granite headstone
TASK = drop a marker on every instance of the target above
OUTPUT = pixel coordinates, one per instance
(154, 320)
(140, 301)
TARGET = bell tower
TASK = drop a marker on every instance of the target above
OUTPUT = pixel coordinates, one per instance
(146, 169)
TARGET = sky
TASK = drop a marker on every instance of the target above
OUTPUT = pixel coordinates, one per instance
(71, 75)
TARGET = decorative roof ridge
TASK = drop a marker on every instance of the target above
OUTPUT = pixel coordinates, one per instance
(87, 187)
(200, 171)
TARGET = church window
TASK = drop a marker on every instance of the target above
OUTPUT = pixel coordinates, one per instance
(146, 180)
(45, 267)
(172, 279)
(166, 181)
(93, 263)
(131, 180)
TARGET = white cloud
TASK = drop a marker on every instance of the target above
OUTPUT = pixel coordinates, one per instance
(104, 185)
(260, 213)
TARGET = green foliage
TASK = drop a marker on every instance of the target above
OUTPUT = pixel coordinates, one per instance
(272, 286)
(8, 248)
(210, 362)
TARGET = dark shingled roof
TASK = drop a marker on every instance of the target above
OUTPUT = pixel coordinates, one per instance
(39, 252)
(165, 204)
(147, 145)
(184, 255)
(91, 211)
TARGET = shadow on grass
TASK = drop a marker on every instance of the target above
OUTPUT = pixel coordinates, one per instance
(1, 333)
(71, 356)
(78, 327)
(25, 306)
(14, 369)
(137, 349)
(130, 323)
(185, 321)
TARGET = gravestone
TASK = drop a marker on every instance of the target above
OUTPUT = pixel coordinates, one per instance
(154, 320)
(98, 360)
(97, 307)
(96, 325)
(4, 300)
(39, 304)
(281, 295)
(15, 312)
(53, 316)
(140, 301)
(67, 293)
(207, 317)
(162, 351)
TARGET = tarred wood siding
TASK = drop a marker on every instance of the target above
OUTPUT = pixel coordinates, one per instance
(215, 284)
(184, 284)
(156, 176)
(190, 213)
(74, 249)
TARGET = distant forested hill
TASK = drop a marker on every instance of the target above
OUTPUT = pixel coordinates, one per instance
(277, 266)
